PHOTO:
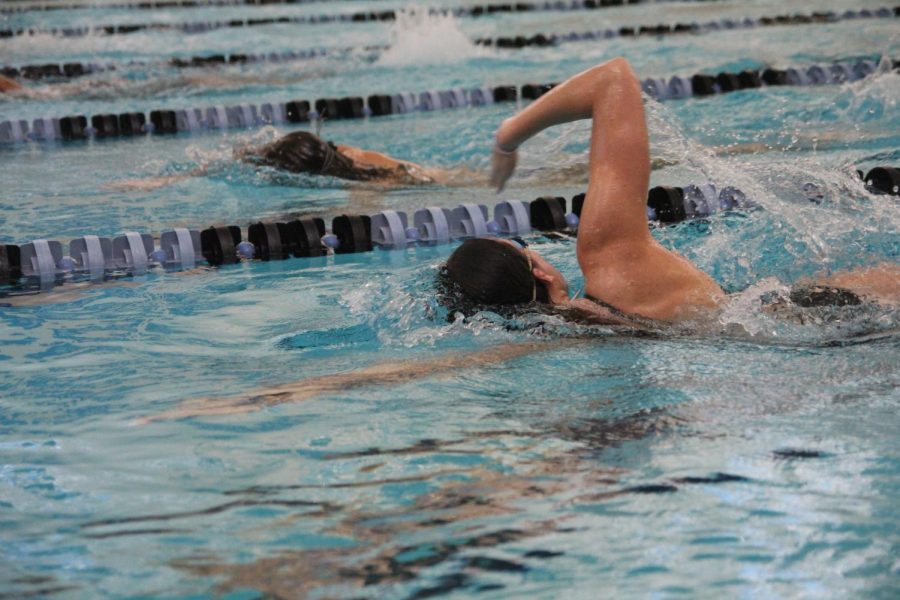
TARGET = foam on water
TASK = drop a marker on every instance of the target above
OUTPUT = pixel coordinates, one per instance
(820, 234)
(870, 99)
(420, 38)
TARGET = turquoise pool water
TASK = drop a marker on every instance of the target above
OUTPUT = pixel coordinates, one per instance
(758, 461)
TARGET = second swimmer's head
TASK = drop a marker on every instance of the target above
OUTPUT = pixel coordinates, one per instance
(305, 152)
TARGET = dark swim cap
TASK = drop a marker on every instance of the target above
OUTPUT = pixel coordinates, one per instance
(299, 152)
(305, 152)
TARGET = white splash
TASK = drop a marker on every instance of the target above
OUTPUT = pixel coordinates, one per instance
(742, 314)
(418, 38)
(872, 98)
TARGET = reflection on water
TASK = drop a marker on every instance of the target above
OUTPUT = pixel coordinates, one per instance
(449, 519)
(455, 521)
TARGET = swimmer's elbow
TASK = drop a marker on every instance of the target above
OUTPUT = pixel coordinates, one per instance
(616, 68)
(609, 74)
(619, 65)
(619, 70)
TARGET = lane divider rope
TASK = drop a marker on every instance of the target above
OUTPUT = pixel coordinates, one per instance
(246, 116)
(167, 4)
(95, 258)
(11, 8)
(476, 11)
(357, 17)
(71, 70)
(694, 27)
(55, 71)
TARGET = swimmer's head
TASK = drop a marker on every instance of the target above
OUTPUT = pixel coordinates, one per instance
(304, 152)
(496, 272)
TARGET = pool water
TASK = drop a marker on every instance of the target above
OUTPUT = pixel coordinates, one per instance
(154, 441)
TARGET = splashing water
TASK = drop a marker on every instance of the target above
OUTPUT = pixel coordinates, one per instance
(845, 228)
(872, 98)
(418, 37)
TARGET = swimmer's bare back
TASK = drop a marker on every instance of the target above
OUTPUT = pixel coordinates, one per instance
(396, 171)
(879, 284)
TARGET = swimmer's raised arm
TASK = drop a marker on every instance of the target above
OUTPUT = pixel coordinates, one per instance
(610, 94)
(624, 267)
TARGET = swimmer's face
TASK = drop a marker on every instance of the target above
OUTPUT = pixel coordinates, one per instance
(543, 271)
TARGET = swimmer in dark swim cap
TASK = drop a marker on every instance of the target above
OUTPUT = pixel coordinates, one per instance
(306, 153)
(629, 277)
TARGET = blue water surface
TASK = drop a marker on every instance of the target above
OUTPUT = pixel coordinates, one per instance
(242, 431)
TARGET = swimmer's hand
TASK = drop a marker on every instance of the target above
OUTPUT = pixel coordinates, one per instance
(503, 163)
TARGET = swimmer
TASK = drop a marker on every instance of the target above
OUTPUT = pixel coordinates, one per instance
(631, 280)
(7, 85)
(629, 276)
(305, 152)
